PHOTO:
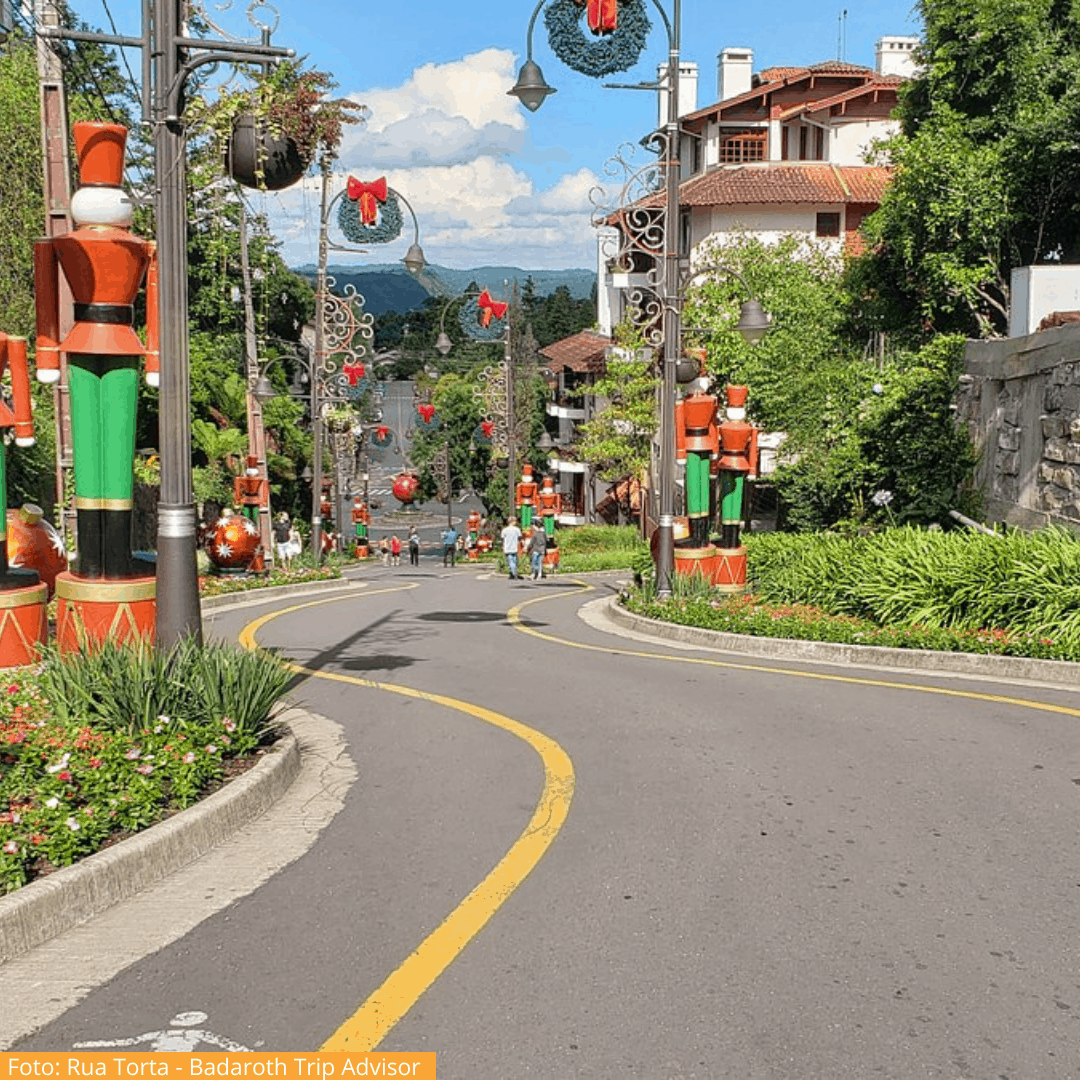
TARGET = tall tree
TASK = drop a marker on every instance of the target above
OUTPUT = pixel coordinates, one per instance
(987, 165)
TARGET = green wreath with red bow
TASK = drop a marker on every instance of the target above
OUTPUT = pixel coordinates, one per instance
(370, 213)
(621, 28)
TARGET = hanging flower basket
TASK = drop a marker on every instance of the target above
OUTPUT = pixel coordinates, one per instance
(257, 159)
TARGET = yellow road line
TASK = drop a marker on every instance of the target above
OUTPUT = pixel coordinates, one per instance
(514, 618)
(367, 1027)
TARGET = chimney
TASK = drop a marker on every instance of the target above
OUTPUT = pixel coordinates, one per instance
(734, 72)
(688, 79)
(896, 56)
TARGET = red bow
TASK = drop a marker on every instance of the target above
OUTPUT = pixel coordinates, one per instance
(370, 195)
(602, 15)
(488, 428)
(353, 372)
(382, 433)
(490, 309)
(427, 412)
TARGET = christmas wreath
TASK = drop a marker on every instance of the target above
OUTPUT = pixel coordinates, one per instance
(615, 51)
(381, 438)
(388, 227)
(484, 320)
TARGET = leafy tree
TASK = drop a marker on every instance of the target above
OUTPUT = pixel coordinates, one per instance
(619, 436)
(986, 166)
(804, 360)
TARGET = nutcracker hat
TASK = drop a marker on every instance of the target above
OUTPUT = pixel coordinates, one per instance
(100, 151)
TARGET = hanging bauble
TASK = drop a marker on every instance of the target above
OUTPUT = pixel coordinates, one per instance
(33, 544)
(406, 486)
(484, 320)
(233, 542)
(357, 206)
(618, 50)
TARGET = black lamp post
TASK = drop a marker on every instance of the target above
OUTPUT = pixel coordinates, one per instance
(531, 89)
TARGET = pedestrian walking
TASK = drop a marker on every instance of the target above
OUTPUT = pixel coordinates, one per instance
(511, 537)
(395, 550)
(537, 549)
(384, 551)
(449, 542)
(294, 546)
(281, 538)
(414, 547)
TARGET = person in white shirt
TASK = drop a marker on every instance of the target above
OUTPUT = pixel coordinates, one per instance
(511, 537)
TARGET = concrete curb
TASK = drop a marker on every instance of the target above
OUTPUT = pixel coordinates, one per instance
(1047, 672)
(251, 597)
(49, 906)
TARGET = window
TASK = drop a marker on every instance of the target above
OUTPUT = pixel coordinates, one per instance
(748, 146)
(828, 225)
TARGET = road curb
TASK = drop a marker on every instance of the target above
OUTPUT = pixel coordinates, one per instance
(251, 597)
(47, 907)
(1047, 672)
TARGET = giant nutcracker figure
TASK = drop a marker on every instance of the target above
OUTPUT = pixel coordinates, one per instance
(23, 596)
(738, 439)
(472, 534)
(361, 519)
(525, 497)
(110, 593)
(550, 504)
(251, 493)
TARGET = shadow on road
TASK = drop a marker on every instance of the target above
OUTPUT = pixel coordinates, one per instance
(337, 654)
(463, 616)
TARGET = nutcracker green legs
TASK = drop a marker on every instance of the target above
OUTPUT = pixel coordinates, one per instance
(731, 504)
(697, 496)
(104, 396)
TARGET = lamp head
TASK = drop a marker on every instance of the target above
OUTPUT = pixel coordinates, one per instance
(443, 343)
(263, 390)
(753, 321)
(414, 259)
(531, 88)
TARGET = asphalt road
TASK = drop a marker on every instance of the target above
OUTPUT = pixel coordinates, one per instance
(754, 871)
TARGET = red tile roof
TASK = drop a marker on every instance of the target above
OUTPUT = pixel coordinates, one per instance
(580, 352)
(786, 183)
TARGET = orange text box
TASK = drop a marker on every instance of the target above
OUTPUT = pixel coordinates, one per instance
(119, 1064)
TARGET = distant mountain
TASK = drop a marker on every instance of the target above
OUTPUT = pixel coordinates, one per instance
(389, 287)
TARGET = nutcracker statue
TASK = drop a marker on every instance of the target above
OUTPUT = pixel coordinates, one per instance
(111, 593)
(23, 596)
(361, 519)
(251, 493)
(738, 461)
(525, 497)
(550, 503)
(472, 534)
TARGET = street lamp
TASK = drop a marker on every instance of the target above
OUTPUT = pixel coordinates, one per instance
(491, 323)
(332, 311)
(531, 89)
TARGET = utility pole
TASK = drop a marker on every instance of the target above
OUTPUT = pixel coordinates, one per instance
(255, 426)
(57, 190)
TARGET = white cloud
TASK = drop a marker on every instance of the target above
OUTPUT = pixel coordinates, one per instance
(444, 140)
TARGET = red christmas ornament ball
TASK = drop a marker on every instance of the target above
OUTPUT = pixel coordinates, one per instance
(406, 485)
(33, 544)
(233, 541)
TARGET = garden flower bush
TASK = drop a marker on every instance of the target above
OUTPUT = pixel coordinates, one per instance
(210, 585)
(1017, 594)
(98, 746)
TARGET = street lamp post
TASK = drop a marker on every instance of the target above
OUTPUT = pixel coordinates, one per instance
(169, 58)
(531, 89)
(329, 310)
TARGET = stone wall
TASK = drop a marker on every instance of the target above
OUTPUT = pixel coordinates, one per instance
(1020, 401)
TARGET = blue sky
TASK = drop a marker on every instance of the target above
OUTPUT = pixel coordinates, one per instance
(490, 182)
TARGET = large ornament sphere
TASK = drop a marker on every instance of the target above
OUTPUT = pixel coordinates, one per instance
(233, 541)
(33, 544)
(406, 486)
